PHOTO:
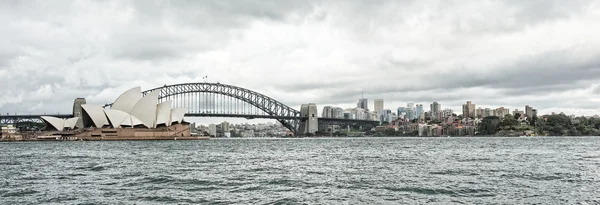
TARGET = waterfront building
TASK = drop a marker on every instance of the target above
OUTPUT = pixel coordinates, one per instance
(378, 105)
(410, 105)
(374, 116)
(357, 113)
(469, 110)
(338, 113)
(363, 103)
(212, 130)
(501, 112)
(225, 126)
(419, 110)
(529, 111)
(129, 110)
(327, 112)
(447, 113)
(348, 115)
(517, 111)
(435, 109)
(385, 115)
(8, 129)
(401, 111)
(410, 114)
(479, 113)
(392, 117)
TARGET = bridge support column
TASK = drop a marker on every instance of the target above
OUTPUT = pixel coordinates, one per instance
(311, 122)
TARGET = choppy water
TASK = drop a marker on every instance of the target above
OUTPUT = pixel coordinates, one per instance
(305, 171)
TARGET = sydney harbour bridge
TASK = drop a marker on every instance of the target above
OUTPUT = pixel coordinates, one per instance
(222, 100)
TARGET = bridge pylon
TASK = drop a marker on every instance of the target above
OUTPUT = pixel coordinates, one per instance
(310, 122)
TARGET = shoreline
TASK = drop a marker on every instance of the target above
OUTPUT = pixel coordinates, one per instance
(102, 139)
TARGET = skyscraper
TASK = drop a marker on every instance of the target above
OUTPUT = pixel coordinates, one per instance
(410, 114)
(378, 105)
(327, 112)
(400, 111)
(419, 110)
(363, 103)
(385, 115)
(529, 111)
(435, 108)
(469, 110)
(410, 105)
(338, 113)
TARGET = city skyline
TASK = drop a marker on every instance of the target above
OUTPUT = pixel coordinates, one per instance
(543, 54)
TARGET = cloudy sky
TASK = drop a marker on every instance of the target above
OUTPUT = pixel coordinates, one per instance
(543, 53)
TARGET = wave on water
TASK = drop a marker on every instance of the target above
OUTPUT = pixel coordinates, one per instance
(451, 192)
(284, 201)
(543, 177)
(454, 173)
(325, 171)
(169, 200)
(20, 193)
(10, 163)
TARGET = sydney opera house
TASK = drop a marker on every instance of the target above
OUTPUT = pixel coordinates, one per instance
(131, 116)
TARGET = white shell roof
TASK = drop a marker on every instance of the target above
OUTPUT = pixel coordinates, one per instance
(131, 121)
(126, 101)
(116, 117)
(70, 123)
(96, 112)
(131, 109)
(177, 114)
(145, 109)
(163, 113)
(56, 123)
(59, 123)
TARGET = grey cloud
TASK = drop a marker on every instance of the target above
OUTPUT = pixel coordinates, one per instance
(402, 51)
(218, 14)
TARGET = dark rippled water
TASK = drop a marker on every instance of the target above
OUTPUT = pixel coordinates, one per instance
(304, 171)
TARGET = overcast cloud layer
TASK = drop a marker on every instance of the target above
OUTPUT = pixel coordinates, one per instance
(542, 53)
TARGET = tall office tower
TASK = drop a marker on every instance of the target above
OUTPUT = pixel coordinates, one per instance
(469, 110)
(419, 110)
(338, 113)
(447, 112)
(410, 111)
(410, 114)
(529, 111)
(378, 105)
(363, 103)
(327, 112)
(435, 109)
(501, 112)
(225, 126)
(212, 130)
(385, 115)
(400, 111)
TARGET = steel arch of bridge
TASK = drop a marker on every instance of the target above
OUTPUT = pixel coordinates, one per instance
(287, 116)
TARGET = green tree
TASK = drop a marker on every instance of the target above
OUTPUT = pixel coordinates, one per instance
(517, 116)
(509, 122)
(489, 125)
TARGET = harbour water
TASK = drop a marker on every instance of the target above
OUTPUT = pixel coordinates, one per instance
(537, 170)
